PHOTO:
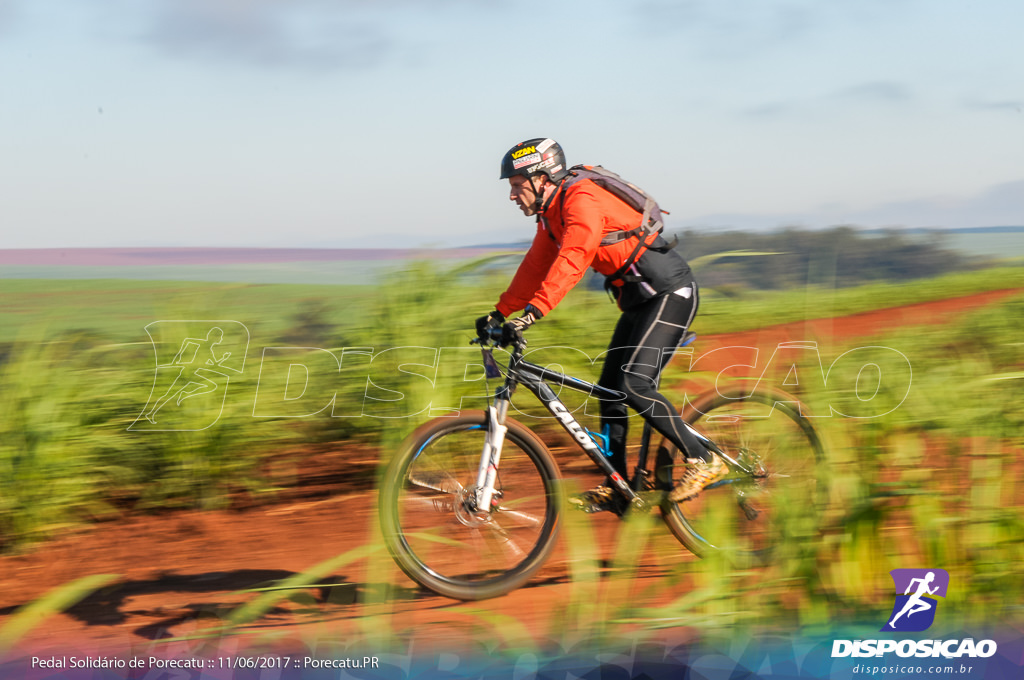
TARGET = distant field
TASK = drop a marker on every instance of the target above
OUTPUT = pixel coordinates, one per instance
(33, 309)
(117, 257)
(249, 265)
(337, 266)
(299, 272)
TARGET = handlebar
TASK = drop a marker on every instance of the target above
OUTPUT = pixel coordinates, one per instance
(493, 338)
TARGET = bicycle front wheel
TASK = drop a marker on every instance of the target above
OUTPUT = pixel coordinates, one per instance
(430, 521)
(775, 491)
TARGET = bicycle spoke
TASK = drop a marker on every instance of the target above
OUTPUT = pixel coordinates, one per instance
(505, 541)
(529, 519)
(436, 481)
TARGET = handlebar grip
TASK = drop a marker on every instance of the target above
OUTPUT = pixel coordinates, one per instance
(490, 335)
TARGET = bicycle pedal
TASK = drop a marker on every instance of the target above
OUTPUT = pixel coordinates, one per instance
(591, 502)
(645, 502)
(592, 508)
(589, 508)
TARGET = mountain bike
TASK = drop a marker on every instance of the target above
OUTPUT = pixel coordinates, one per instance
(470, 506)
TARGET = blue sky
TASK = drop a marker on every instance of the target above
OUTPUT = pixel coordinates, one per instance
(358, 123)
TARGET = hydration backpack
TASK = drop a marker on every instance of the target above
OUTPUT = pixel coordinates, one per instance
(650, 222)
(635, 197)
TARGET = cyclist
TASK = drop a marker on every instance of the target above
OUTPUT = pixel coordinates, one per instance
(581, 224)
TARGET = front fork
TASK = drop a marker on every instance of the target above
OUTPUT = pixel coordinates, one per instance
(487, 472)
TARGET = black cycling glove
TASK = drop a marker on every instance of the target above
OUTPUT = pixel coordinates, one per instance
(512, 331)
(486, 323)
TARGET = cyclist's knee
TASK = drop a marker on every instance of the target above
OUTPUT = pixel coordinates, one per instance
(639, 388)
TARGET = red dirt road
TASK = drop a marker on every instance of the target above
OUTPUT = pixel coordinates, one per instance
(182, 572)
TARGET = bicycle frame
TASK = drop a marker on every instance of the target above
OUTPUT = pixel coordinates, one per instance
(507, 521)
(536, 379)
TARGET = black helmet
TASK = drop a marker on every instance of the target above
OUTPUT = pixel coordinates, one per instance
(533, 157)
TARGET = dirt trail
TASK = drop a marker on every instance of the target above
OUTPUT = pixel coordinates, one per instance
(181, 571)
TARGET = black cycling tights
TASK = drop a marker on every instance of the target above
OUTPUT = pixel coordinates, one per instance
(644, 340)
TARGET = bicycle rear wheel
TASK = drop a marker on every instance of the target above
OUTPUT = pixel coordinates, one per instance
(780, 495)
(431, 525)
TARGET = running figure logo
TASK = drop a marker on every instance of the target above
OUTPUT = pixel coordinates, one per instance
(198, 373)
(914, 610)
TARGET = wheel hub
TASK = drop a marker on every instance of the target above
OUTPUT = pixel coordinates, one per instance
(466, 510)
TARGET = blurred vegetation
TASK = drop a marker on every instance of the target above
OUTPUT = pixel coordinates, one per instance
(933, 482)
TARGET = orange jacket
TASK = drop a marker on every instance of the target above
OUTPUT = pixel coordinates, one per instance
(568, 240)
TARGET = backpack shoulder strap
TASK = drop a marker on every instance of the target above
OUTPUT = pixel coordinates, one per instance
(632, 195)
